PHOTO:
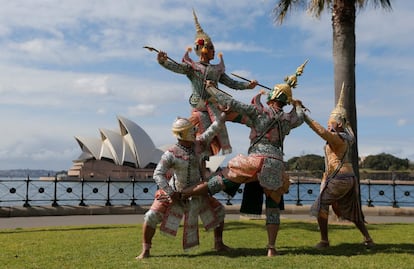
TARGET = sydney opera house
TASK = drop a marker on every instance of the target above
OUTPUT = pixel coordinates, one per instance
(126, 153)
(120, 154)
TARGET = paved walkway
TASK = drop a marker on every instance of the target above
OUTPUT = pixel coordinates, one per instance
(12, 218)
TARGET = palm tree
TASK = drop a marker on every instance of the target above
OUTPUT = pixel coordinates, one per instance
(343, 47)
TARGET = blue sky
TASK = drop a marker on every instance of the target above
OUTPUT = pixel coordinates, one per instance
(68, 68)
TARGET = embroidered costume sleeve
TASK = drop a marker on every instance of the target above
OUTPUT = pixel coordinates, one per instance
(297, 116)
(234, 84)
(176, 68)
(214, 72)
(211, 131)
(195, 73)
(258, 118)
(161, 171)
(248, 113)
(198, 73)
(185, 167)
(204, 139)
(291, 120)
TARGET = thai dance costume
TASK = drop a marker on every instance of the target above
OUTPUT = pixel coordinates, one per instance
(264, 162)
(204, 112)
(181, 167)
(339, 186)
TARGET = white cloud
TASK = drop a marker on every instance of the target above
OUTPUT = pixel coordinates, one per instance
(401, 122)
(101, 111)
(94, 85)
(141, 110)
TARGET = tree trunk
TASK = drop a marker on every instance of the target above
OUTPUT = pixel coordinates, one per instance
(343, 26)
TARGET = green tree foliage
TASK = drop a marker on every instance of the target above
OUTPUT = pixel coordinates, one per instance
(385, 161)
(310, 162)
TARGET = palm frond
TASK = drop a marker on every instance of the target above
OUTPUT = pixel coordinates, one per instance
(385, 4)
(316, 7)
(284, 6)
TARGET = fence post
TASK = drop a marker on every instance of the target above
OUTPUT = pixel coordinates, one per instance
(370, 204)
(298, 200)
(394, 201)
(55, 204)
(82, 203)
(133, 203)
(108, 202)
(26, 203)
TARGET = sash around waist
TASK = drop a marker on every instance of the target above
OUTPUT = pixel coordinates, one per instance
(344, 175)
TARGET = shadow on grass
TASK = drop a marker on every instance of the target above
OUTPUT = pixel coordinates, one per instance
(348, 249)
(312, 226)
(295, 225)
(233, 253)
(345, 249)
(339, 250)
(242, 225)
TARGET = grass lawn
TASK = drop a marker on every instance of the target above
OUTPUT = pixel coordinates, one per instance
(115, 246)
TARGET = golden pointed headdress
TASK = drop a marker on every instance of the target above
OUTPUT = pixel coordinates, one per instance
(283, 92)
(202, 41)
(339, 112)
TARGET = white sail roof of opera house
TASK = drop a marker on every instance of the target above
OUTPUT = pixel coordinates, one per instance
(130, 145)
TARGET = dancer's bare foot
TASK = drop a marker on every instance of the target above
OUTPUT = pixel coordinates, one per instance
(271, 252)
(368, 243)
(221, 247)
(144, 254)
(323, 244)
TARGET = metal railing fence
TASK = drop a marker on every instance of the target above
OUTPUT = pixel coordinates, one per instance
(28, 192)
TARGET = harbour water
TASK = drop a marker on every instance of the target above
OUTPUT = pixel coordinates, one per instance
(23, 192)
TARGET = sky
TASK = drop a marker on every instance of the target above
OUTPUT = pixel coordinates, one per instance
(70, 67)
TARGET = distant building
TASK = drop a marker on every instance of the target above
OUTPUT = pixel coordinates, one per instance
(124, 154)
